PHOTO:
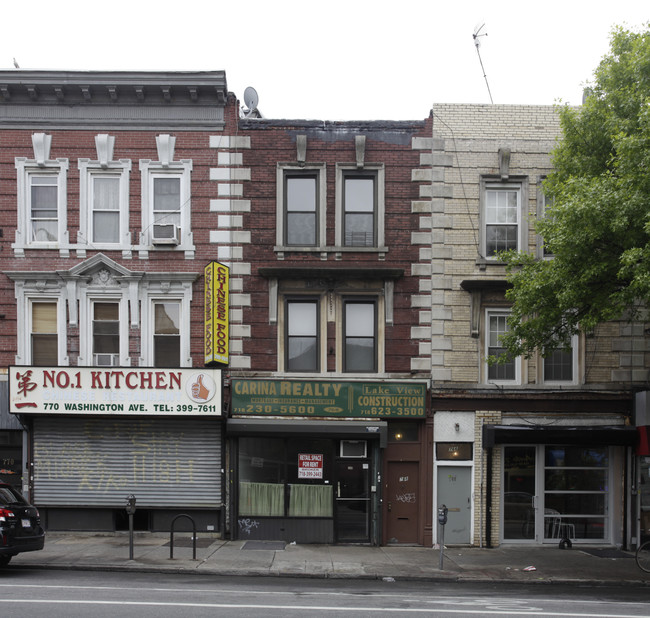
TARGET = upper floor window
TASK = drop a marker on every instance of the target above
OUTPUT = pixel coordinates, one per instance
(166, 199)
(360, 336)
(300, 207)
(42, 205)
(167, 334)
(302, 347)
(502, 217)
(106, 333)
(561, 365)
(104, 200)
(496, 326)
(44, 338)
(360, 208)
(44, 211)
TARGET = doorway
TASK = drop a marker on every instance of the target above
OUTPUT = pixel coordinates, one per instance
(352, 503)
(402, 502)
(455, 492)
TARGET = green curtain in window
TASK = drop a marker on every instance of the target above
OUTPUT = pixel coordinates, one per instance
(310, 501)
(261, 499)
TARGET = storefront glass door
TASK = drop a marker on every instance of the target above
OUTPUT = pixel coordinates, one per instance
(555, 491)
(352, 501)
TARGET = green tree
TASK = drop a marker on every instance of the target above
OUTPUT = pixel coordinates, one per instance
(598, 226)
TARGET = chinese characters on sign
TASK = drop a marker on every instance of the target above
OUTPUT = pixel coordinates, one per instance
(119, 390)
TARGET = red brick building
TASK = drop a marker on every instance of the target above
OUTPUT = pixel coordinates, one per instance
(105, 201)
(328, 433)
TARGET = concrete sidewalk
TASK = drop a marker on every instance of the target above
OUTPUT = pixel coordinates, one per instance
(151, 552)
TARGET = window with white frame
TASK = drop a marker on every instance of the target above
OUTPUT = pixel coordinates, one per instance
(104, 211)
(106, 333)
(503, 227)
(496, 326)
(166, 200)
(166, 333)
(302, 346)
(359, 336)
(300, 207)
(42, 204)
(44, 337)
(360, 206)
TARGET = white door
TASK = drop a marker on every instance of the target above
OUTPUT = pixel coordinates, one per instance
(455, 492)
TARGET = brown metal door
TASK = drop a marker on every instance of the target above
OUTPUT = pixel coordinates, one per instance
(402, 502)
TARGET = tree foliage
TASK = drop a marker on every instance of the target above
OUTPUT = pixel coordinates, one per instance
(598, 225)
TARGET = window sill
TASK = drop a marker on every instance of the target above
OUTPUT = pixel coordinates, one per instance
(282, 250)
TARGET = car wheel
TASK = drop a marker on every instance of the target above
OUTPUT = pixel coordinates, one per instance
(4, 560)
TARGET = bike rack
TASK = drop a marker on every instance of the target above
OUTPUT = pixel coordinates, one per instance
(171, 536)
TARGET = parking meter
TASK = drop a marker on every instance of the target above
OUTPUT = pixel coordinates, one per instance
(442, 520)
(130, 510)
(442, 515)
(130, 504)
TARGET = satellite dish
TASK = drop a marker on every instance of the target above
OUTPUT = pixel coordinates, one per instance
(250, 99)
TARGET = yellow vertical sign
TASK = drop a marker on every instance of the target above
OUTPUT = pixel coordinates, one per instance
(216, 292)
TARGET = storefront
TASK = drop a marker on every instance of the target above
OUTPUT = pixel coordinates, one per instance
(561, 482)
(99, 436)
(11, 444)
(306, 457)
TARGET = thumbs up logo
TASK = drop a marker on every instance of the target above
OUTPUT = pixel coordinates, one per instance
(201, 388)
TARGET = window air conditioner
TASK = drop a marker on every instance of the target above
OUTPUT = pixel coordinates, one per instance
(106, 360)
(166, 234)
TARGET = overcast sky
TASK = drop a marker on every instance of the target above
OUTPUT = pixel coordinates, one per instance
(333, 59)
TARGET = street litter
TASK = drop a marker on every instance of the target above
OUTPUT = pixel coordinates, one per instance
(530, 568)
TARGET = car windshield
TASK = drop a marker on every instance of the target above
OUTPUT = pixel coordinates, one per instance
(9, 496)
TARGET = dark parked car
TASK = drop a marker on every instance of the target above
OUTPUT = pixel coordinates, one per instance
(20, 525)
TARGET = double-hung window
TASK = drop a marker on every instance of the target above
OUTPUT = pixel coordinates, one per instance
(302, 348)
(503, 226)
(561, 365)
(104, 204)
(44, 338)
(360, 336)
(166, 201)
(106, 333)
(166, 205)
(44, 211)
(360, 207)
(360, 210)
(166, 334)
(42, 207)
(301, 208)
(496, 327)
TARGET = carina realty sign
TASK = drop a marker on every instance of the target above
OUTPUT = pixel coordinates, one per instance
(116, 391)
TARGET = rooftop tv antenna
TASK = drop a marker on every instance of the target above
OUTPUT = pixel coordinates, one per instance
(251, 100)
(477, 42)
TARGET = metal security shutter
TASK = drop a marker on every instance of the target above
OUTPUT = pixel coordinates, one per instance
(100, 461)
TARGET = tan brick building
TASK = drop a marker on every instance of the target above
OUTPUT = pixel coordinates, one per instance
(536, 450)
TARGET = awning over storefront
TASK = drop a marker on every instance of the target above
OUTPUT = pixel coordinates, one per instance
(299, 427)
(603, 435)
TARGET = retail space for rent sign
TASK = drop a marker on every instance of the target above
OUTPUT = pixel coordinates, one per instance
(310, 466)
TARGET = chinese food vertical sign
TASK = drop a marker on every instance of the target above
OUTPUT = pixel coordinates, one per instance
(216, 293)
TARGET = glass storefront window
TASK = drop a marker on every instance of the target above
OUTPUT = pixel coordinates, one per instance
(576, 489)
(273, 482)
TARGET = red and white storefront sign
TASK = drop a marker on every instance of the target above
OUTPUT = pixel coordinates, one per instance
(310, 466)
